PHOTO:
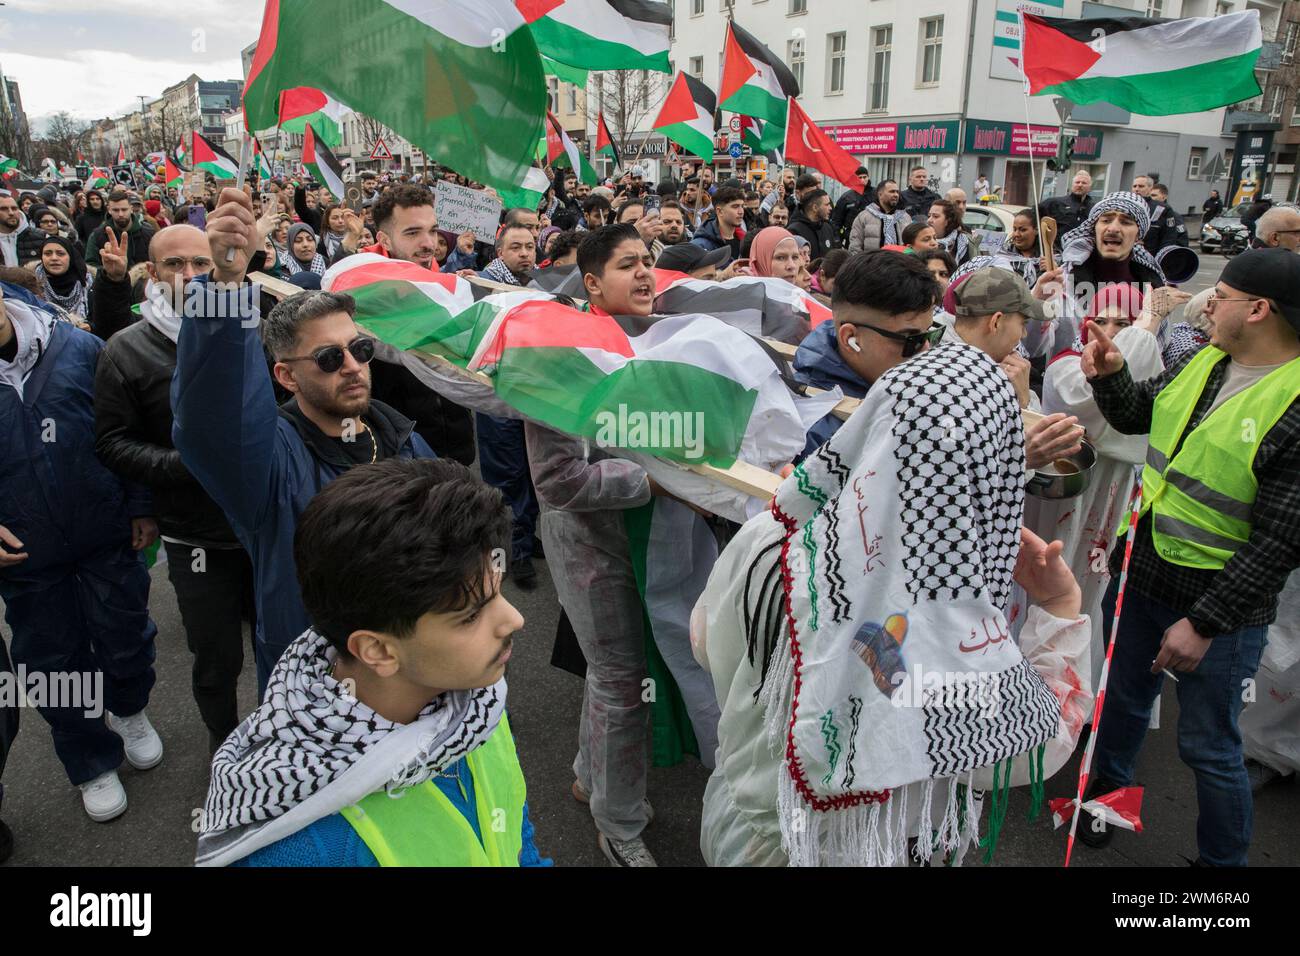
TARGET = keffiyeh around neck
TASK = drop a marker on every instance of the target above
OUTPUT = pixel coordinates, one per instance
(1080, 242)
(500, 272)
(901, 535)
(888, 224)
(311, 749)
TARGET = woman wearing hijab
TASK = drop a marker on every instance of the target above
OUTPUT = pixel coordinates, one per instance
(63, 276)
(335, 229)
(945, 219)
(775, 253)
(302, 255)
(1021, 251)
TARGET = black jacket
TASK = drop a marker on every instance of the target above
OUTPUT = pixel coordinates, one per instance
(1069, 211)
(448, 428)
(1167, 228)
(110, 306)
(133, 434)
(137, 243)
(846, 210)
(917, 204)
(821, 235)
(87, 222)
(1211, 208)
(29, 246)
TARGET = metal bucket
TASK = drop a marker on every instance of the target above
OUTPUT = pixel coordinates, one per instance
(1048, 483)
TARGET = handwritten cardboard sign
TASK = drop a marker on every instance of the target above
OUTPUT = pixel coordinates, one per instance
(461, 209)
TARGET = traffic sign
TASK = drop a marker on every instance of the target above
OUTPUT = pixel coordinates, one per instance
(736, 150)
(381, 150)
(735, 124)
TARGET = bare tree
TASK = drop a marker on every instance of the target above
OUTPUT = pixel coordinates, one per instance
(64, 137)
(628, 98)
(371, 131)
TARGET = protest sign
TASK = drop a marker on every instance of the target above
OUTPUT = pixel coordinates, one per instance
(461, 209)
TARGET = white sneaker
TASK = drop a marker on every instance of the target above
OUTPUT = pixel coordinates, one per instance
(144, 747)
(104, 797)
(632, 852)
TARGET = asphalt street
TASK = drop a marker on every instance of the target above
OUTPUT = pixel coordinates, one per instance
(51, 828)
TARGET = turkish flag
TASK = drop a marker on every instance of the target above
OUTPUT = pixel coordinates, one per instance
(807, 145)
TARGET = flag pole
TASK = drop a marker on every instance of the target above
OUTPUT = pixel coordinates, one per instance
(1085, 766)
(1029, 139)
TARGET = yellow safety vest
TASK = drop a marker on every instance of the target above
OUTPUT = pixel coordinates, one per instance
(421, 827)
(1202, 500)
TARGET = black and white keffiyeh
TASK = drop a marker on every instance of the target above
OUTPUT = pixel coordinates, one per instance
(888, 225)
(498, 271)
(957, 244)
(312, 748)
(1080, 242)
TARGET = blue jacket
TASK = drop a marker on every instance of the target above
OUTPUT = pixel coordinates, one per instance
(331, 840)
(707, 237)
(817, 362)
(257, 461)
(55, 495)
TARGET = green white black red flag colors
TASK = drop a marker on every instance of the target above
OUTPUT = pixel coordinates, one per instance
(173, 175)
(1150, 67)
(601, 34)
(7, 163)
(754, 80)
(260, 162)
(605, 142)
(561, 151)
(807, 145)
(183, 154)
(121, 153)
(212, 158)
(763, 138)
(321, 163)
(687, 115)
(462, 81)
(304, 104)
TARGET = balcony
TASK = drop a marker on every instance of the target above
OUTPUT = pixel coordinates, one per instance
(1270, 56)
(1244, 113)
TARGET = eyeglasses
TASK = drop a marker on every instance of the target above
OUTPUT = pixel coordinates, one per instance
(1215, 299)
(200, 263)
(912, 341)
(330, 358)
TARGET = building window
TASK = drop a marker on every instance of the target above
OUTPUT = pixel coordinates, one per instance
(1223, 8)
(600, 91)
(931, 50)
(697, 8)
(672, 22)
(1289, 43)
(1195, 160)
(645, 89)
(552, 94)
(697, 67)
(1155, 8)
(1275, 103)
(794, 57)
(798, 6)
(1295, 112)
(882, 39)
(835, 46)
(573, 97)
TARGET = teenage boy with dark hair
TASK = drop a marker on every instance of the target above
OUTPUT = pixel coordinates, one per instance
(883, 307)
(397, 689)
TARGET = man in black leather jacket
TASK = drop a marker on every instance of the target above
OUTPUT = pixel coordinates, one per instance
(208, 568)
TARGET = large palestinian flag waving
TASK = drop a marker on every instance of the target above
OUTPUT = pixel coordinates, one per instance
(303, 104)
(462, 81)
(687, 116)
(754, 80)
(1150, 67)
(209, 156)
(601, 34)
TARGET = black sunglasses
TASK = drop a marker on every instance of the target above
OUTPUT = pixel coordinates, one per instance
(912, 341)
(330, 358)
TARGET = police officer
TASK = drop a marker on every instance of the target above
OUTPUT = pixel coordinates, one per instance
(1167, 227)
(1071, 209)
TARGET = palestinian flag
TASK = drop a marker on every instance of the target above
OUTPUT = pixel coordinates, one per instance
(259, 161)
(121, 153)
(99, 178)
(601, 34)
(7, 163)
(173, 175)
(463, 82)
(529, 193)
(182, 154)
(569, 74)
(605, 142)
(321, 163)
(755, 305)
(687, 116)
(304, 104)
(764, 138)
(1149, 67)
(754, 80)
(213, 159)
(561, 151)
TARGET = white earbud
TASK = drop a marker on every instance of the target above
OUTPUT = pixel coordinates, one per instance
(853, 344)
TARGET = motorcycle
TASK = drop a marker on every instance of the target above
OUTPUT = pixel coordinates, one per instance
(1233, 243)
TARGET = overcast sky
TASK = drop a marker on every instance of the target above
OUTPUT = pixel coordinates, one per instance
(93, 58)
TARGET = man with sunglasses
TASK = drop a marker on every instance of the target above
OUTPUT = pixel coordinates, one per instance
(262, 463)
(208, 569)
(883, 306)
(1218, 536)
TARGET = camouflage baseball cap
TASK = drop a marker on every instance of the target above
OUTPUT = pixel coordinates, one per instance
(991, 289)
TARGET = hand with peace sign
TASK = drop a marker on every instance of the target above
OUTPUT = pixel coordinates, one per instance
(112, 255)
(1101, 356)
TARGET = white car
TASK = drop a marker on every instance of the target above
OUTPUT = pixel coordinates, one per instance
(990, 218)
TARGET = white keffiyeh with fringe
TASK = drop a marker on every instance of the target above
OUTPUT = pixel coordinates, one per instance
(312, 748)
(894, 673)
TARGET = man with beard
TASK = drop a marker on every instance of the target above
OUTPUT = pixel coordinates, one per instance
(673, 223)
(122, 220)
(516, 249)
(20, 241)
(881, 223)
(260, 463)
(918, 197)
